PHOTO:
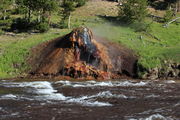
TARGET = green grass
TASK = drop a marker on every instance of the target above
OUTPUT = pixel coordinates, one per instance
(151, 52)
(15, 52)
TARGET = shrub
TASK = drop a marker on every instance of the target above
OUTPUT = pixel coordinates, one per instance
(63, 24)
(5, 24)
(80, 3)
(42, 27)
(20, 24)
(1, 32)
(168, 16)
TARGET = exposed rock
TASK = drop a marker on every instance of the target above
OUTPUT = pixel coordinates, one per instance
(153, 74)
(169, 70)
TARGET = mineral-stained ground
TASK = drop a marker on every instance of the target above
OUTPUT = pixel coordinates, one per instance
(80, 55)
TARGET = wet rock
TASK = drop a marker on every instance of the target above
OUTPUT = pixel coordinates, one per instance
(152, 74)
(169, 70)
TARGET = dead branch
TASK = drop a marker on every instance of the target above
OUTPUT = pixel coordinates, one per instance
(166, 25)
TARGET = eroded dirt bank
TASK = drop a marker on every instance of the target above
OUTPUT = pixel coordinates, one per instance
(81, 55)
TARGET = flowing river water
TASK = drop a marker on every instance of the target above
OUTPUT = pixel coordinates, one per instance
(90, 100)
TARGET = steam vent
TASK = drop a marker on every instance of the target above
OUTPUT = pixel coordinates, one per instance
(79, 55)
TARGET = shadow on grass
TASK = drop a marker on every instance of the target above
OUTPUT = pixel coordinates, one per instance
(114, 20)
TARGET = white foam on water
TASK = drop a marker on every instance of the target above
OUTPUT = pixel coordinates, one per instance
(177, 104)
(105, 94)
(153, 117)
(45, 91)
(14, 97)
(117, 83)
(52, 96)
(108, 84)
(36, 84)
(88, 103)
(64, 82)
(152, 96)
(127, 83)
(108, 94)
(89, 100)
(102, 84)
(91, 81)
(156, 117)
(79, 85)
(14, 114)
(85, 102)
(8, 96)
(170, 81)
(10, 84)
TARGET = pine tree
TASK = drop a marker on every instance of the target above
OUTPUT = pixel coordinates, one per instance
(133, 10)
(26, 7)
(4, 6)
(40, 7)
(44, 9)
(68, 7)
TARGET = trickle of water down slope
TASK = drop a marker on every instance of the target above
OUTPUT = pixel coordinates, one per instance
(90, 100)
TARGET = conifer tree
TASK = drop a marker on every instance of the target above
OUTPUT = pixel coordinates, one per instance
(133, 10)
(26, 7)
(68, 7)
(4, 6)
(44, 9)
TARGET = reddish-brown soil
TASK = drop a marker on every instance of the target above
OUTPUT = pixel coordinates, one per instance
(79, 55)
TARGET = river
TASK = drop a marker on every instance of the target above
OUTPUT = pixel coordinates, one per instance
(90, 100)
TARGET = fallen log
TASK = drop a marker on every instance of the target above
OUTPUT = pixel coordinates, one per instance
(167, 24)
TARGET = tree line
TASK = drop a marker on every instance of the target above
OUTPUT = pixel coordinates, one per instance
(36, 14)
(136, 10)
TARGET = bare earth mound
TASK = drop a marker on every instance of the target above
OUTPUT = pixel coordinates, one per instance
(78, 55)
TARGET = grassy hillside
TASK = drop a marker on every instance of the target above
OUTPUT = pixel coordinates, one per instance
(150, 50)
(101, 18)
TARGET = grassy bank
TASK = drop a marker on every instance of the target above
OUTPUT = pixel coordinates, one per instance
(15, 50)
(99, 16)
(151, 51)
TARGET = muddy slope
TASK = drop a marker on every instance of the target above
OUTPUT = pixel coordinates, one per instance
(80, 55)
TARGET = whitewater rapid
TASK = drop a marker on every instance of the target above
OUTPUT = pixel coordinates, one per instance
(154, 100)
(44, 90)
